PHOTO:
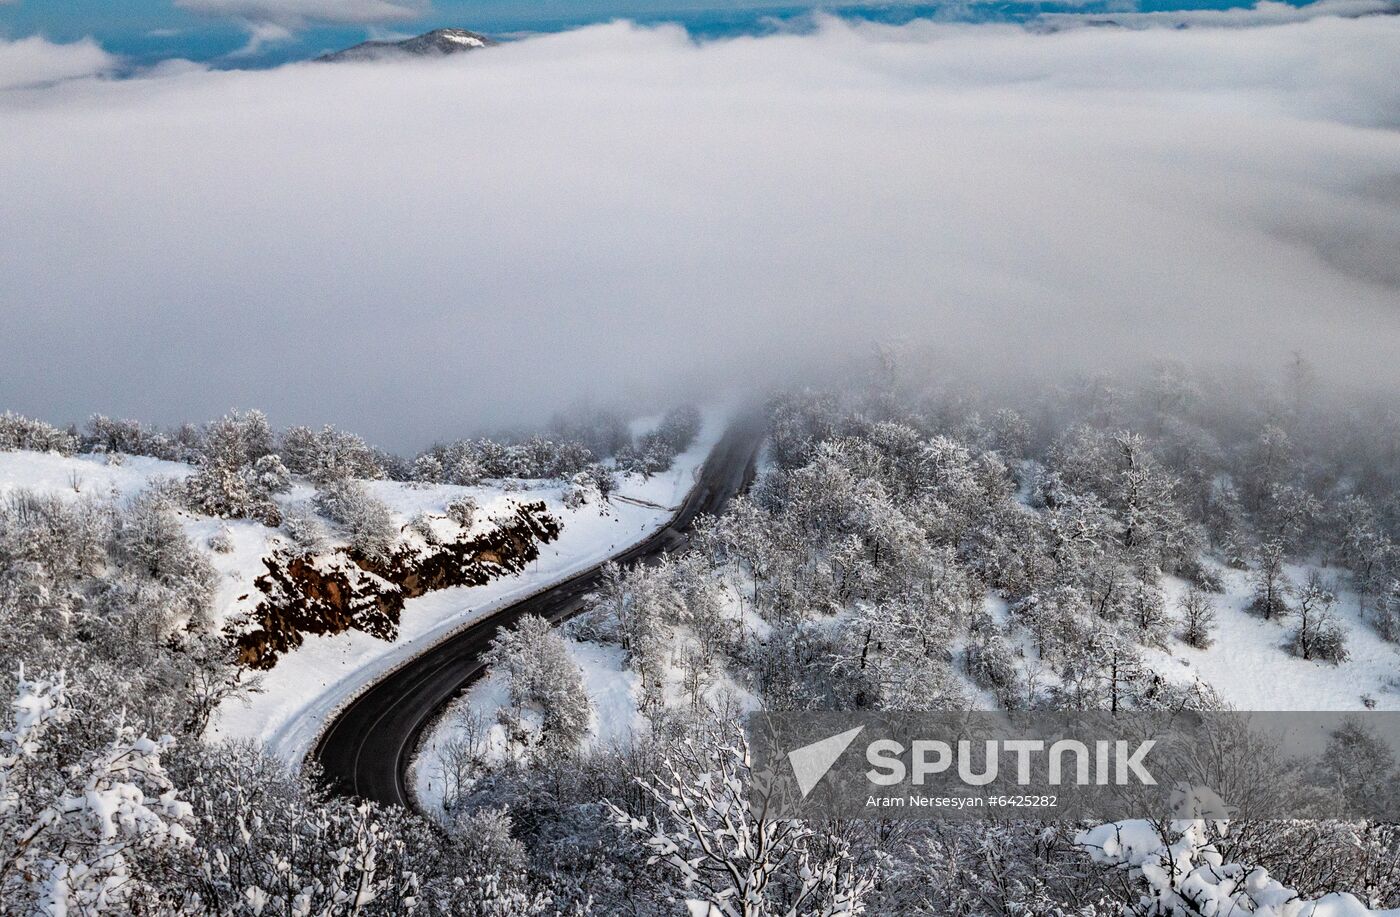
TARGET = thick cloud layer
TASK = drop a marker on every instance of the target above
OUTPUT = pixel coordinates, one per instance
(413, 248)
(1264, 12)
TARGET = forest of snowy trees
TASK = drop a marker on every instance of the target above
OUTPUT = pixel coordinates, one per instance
(909, 545)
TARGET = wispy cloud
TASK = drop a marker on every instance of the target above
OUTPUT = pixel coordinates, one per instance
(35, 61)
(297, 13)
(1265, 12)
(412, 247)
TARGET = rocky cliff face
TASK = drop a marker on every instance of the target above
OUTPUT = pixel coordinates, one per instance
(344, 590)
(437, 43)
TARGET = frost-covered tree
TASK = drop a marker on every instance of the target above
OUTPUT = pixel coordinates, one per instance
(1147, 612)
(728, 858)
(896, 656)
(991, 661)
(1386, 613)
(544, 679)
(1271, 586)
(1270, 461)
(18, 432)
(237, 472)
(1177, 869)
(149, 536)
(1197, 618)
(643, 606)
(269, 842)
(1292, 517)
(329, 455)
(427, 469)
(365, 520)
(1319, 635)
(84, 833)
(679, 427)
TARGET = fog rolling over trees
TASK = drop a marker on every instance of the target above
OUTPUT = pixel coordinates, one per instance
(617, 209)
(1072, 356)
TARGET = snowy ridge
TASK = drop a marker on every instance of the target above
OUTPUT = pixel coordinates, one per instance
(437, 43)
(335, 670)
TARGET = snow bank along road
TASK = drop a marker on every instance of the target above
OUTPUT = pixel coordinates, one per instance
(366, 750)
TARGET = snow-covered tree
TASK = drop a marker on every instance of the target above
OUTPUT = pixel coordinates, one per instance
(364, 519)
(329, 455)
(728, 858)
(1197, 618)
(83, 833)
(1176, 869)
(18, 432)
(1271, 586)
(237, 472)
(1319, 635)
(543, 678)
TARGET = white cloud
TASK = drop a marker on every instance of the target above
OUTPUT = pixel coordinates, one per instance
(36, 61)
(262, 34)
(295, 14)
(407, 248)
(1264, 12)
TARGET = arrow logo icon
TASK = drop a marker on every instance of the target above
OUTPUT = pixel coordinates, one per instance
(811, 762)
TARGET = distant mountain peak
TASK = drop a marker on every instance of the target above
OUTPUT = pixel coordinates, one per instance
(437, 43)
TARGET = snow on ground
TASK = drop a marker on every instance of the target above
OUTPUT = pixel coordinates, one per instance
(613, 690)
(979, 697)
(309, 684)
(1247, 664)
(83, 475)
(97, 477)
(1250, 669)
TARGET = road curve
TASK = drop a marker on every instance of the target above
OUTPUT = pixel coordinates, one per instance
(365, 751)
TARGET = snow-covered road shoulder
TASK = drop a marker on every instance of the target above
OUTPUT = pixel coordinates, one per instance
(308, 686)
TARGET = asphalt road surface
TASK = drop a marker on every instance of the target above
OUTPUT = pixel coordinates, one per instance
(366, 749)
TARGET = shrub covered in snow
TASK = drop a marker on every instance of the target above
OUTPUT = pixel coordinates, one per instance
(364, 520)
(422, 526)
(544, 679)
(17, 432)
(221, 542)
(329, 455)
(462, 510)
(304, 527)
(1177, 869)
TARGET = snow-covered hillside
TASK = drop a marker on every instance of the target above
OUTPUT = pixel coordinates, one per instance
(297, 698)
(1250, 668)
(310, 682)
(615, 695)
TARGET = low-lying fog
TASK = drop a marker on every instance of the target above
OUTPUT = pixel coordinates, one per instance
(422, 248)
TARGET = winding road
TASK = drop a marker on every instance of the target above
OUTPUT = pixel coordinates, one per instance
(366, 749)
